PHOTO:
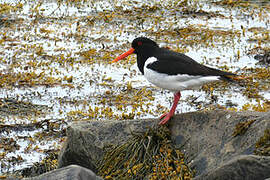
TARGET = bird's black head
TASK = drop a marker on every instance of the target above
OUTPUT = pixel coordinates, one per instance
(143, 45)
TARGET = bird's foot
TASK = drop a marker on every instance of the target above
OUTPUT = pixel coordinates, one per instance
(165, 118)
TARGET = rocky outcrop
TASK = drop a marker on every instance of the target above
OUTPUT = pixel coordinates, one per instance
(86, 140)
(208, 136)
(248, 167)
(72, 172)
(208, 139)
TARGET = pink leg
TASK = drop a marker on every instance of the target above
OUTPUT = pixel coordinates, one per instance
(167, 116)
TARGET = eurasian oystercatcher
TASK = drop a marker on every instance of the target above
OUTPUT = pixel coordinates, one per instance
(171, 70)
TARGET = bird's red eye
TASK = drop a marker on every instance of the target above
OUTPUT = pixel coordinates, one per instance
(139, 43)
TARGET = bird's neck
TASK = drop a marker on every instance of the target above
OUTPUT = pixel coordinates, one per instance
(142, 57)
(140, 62)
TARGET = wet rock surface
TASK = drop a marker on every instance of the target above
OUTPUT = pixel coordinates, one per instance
(208, 136)
(86, 140)
(205, 137)
(241, 167)
(73, 172)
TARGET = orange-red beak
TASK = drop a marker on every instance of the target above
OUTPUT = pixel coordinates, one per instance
(122, 56)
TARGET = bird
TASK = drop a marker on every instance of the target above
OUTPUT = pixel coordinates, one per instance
(171, 70)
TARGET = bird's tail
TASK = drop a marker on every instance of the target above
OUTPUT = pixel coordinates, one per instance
(234, 78)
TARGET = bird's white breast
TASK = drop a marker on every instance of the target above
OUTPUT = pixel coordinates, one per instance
(175, 82)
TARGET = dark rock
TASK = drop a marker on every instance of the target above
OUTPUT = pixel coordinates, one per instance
(206, 137)
(86, 140)
(71, 172)
(244, 167)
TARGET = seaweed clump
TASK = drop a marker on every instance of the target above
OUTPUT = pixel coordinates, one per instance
(47, 164)
(242, 127)
(263, 144)
(148, 154)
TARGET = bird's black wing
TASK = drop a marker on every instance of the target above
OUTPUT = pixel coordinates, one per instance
(174, 63)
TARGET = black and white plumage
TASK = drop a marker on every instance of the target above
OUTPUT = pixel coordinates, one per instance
(171, 70)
